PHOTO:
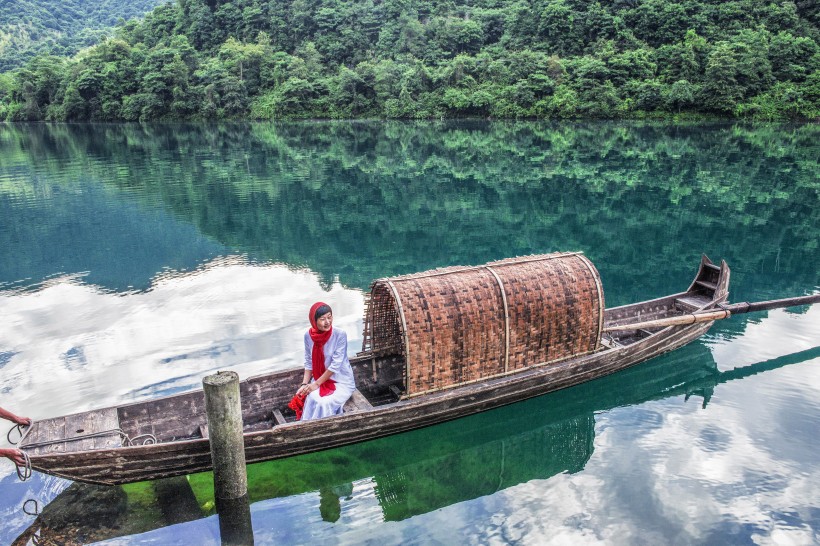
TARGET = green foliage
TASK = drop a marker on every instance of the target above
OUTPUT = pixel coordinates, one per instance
(59, 27)
(219, 59)
(369, 199)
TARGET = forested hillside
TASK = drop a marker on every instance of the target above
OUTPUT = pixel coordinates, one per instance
(215, 59)
(59, 27)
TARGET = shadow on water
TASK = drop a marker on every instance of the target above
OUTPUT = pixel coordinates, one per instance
(415, 472)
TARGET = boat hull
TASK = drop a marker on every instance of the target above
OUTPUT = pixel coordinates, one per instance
(103, 460)
(148, 462)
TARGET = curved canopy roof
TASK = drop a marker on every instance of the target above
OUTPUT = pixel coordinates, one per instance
(462, 324)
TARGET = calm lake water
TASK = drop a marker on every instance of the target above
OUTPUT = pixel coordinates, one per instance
(136, 259)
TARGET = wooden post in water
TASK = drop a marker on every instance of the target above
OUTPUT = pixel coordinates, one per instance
(224, 411)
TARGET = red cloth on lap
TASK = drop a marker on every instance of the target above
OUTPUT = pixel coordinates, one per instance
(297, 404)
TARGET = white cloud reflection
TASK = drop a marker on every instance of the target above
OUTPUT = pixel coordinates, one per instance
(662, 472)
(744, 469)
(74, 347)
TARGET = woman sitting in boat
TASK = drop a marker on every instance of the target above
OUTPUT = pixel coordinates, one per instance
(327, 363)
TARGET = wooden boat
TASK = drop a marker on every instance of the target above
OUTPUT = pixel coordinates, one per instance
(525, 327)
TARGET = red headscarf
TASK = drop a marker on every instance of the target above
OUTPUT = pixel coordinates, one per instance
(317, 356)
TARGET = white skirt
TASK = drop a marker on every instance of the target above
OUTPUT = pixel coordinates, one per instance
(317, 406)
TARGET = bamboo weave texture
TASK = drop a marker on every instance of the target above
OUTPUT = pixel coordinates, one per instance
(462, 324)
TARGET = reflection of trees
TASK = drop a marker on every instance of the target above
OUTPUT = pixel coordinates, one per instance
(364, 200)
(421, 487)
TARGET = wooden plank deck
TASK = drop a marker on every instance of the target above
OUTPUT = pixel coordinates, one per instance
(74, 430)
(357, 402)
(692, 303)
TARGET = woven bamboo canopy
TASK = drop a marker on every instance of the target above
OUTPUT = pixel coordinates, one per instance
(462, 324)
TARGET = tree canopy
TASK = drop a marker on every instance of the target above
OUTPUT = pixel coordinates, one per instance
(542, 59)
(59, 27)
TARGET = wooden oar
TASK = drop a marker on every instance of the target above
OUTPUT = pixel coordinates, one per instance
(724, 312)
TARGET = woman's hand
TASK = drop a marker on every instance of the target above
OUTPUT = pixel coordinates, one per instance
(312, 387)
(304, 390)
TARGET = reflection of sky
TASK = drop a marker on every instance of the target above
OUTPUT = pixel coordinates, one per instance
(92, 348)
(663, 472)
(745, 469)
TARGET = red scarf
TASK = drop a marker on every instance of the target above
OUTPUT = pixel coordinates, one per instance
(317, 356)
(297, 404)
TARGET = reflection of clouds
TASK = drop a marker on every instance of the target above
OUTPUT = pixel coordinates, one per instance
(780, 408)
(74, 347)
(669, 472)
(662, 472)
(765, 336)
(728, 469)
(739, 488)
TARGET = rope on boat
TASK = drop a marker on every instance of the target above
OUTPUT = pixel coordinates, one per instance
(36, 511)
(127, 441)
(19, 429)
(24, 471)
(149, 439)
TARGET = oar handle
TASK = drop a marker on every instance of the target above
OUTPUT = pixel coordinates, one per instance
(725, 311)
(746, 307)
(678, 320)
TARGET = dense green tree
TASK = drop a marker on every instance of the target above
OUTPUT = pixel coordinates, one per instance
(59, 27)
(560, 28)
(214, 59)
(792, 57)
(680, 94)
(722, 88)
(661, 22)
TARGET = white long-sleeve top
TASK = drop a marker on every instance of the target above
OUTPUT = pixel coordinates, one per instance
(336, 360)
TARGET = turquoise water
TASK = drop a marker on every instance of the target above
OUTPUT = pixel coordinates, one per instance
(136, 259)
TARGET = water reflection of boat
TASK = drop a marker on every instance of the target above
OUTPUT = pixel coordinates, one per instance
(562, 444)
(85, 513)
(417, 472)
(438, 346)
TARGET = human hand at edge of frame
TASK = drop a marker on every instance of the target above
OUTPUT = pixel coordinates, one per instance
(14, 455)
(25, 421)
